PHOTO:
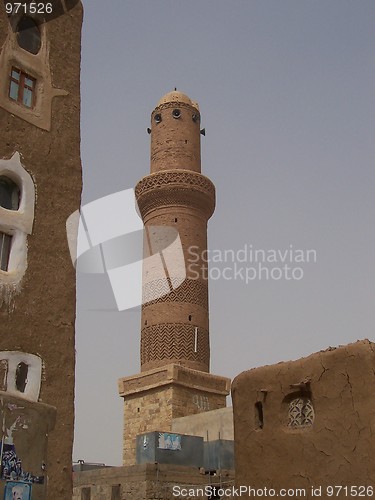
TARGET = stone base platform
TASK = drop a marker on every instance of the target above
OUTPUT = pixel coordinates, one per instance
(154, 398)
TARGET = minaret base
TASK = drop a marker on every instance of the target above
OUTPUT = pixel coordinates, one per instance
(154, 398)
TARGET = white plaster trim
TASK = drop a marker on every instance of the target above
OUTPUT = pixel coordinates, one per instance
(36, 66)
(22, 218)
(34, 376)
(19, 224)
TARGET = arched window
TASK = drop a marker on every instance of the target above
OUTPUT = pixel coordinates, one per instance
(21, 376)
(28, 35)
(9, 194)
(17, 199)
(10, 200)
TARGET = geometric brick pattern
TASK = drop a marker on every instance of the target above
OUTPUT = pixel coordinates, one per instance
(180, 196)
(175, 341)
(158, 180)
(190, 291)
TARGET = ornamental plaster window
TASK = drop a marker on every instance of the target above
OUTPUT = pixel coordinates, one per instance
(9, 193)
(28, 91)
(22, 88)
(21, 374)
(17, 200)
(10, 200)
(301, 412)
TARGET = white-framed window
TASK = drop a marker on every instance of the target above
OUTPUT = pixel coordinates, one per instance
(21, 374)
(10, 200)
(9, 193)
(27, 91)
(17, 200)
(22, 87)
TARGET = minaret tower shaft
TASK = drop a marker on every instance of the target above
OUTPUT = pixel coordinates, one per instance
(174, 199)
(176, 194)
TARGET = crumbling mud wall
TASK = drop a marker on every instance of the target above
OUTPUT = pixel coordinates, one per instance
(23, 447)
(307, 423)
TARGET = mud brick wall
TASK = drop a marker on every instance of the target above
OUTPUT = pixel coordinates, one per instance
(308, 422)
(144, 482)
(40, 317)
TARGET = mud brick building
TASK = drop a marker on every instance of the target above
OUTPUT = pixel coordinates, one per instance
(40, 186)
(308, 422)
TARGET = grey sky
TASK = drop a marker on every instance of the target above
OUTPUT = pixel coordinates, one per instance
(286, 91)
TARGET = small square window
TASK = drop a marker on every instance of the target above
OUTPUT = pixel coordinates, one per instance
(22, 88)
(86, 493)
(116, 492)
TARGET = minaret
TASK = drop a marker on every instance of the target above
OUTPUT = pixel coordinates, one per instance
(176, 194)
(175, 354)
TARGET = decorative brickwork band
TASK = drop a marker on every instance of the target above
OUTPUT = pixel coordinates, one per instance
(174, 343)
(191, 291)
(176, 187)
(168, 177)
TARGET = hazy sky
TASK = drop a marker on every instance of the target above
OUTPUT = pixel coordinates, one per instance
(287, 96)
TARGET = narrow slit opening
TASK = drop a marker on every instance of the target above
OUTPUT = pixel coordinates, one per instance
(21, 376)
(259, 415)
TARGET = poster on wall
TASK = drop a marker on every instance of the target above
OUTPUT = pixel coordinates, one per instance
(169, 441)
(15, 490)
